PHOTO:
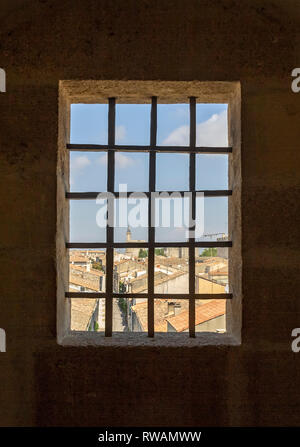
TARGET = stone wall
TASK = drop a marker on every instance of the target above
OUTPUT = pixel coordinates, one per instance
(255, 42)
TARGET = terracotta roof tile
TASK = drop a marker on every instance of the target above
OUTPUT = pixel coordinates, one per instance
(92, 271)
(77, 280)
(81, 313)
(160, 313)
(205, 312)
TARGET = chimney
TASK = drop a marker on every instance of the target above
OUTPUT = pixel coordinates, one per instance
(177, 308)
(171, 308)
(88, 267)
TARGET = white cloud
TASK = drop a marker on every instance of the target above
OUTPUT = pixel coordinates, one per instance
(122, 161)
(79, 163)
(179, 137)
(120, 133)
(212, 132)
(102, 160)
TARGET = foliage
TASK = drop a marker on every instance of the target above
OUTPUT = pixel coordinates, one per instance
(209, 252)
(122, 287)
(160, 252)
(97, 266)
(123, 304)
(143, 253)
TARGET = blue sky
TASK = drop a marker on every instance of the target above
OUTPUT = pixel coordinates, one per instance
(88, 169)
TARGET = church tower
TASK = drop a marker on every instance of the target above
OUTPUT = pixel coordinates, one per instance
(128, 235)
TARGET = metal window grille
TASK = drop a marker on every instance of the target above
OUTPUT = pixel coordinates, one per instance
(111, 148)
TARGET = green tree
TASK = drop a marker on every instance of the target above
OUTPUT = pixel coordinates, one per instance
(122, 287)
(160, 252)
(209, 252)
(123, 304)
(143, 253)
(97, 266)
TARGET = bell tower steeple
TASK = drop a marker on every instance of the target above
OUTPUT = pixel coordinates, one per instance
(128, 235)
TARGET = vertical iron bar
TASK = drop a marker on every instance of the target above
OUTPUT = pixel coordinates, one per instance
(193, 214)
(110, 211)
(151, 210)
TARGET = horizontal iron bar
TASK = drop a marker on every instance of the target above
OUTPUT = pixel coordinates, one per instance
(177, 296)
(94, 195)
(201, 244)
(92, 295)
(130, 148)
(195, 244)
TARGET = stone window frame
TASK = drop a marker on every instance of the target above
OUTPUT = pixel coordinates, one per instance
(127, 92)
